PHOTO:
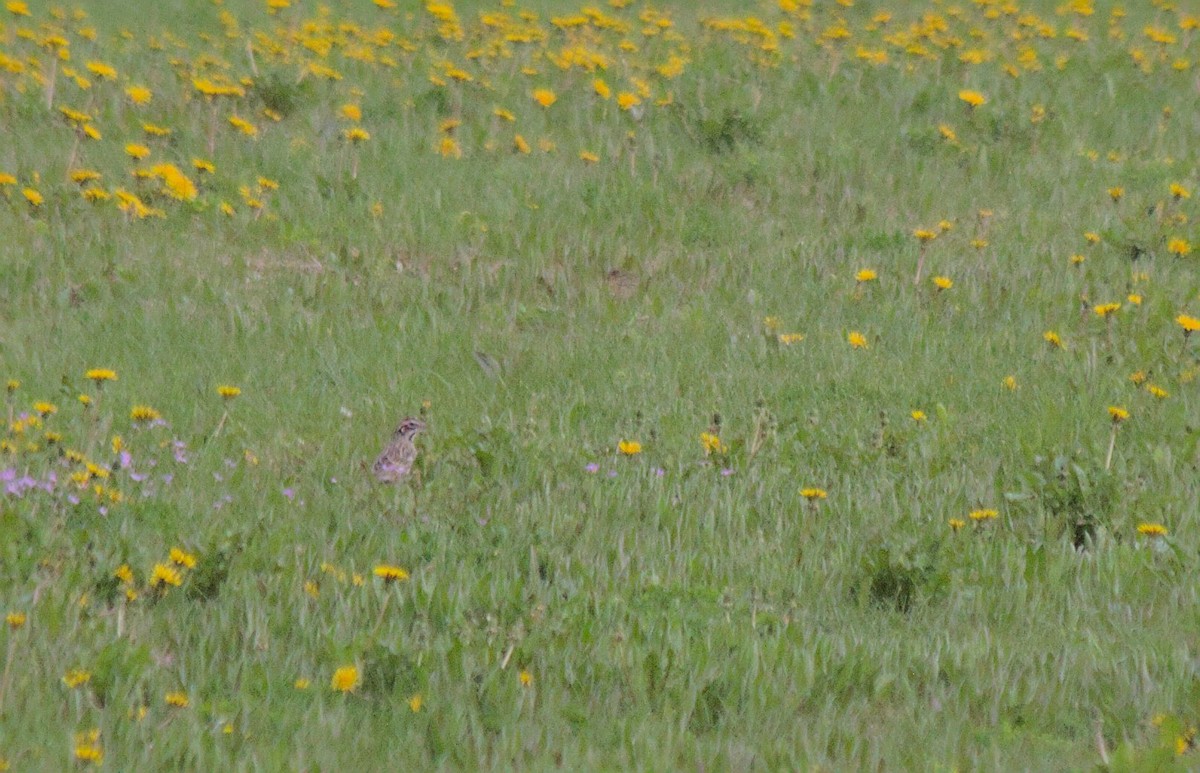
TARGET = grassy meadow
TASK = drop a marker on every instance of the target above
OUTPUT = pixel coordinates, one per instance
(810, 385)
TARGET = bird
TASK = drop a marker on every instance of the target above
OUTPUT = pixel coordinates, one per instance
(397, 458)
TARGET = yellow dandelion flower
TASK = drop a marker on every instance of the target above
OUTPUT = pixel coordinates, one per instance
(627, 100)
(857, 340)
(101, 374)
(415, 703)
(1179, 192)
(918, 416)
(76, 677)
(228, 391)
(588, 157)
(1010, 383)
(144, 413)
(243, 126)
(164, 575)
(814, 494)
(1117, 414)
(181, 558)
(301, 684)
(1102, 310)
(924, 235)
(390, 573)
(504, 115)
(787, 339)
(345, 679)
(602, 89)
(947, 132)
(1157, 391)
(1179, 247)
(943, 282)
(45, 409)
(139, 95)
(448, 148)
(1138, 377)
(1189, 324)
(972, 98)
(979, 516)
(34, 198)
(1152, 530)
(124, 574)
(177, 700)
(544, 97)
(957, 523)
(1053, 339)
(1134, 299)
(629, 447)
(1091, 237)
(137, 152)
(355, 135)
(15, 620)
(351, 112)
(525, 678)
(203, 165)
(866, 275)
(1116, 192)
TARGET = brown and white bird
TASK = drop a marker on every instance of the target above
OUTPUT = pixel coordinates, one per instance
(396, 460)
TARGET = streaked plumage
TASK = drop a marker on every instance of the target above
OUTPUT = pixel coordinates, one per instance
(396, 460)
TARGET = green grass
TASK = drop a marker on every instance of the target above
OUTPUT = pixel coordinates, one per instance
(539, 309)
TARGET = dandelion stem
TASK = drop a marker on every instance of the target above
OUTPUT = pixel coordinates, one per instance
(7, 668)
(920, 266)
(221, 423)
(1112, 445)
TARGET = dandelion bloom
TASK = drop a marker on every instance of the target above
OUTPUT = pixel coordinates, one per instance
(983, 515)
(629, 447)
(602, 89)
(164, 575)
(1102, 310)
(34, 198)
(1091, 237)
(390, 573)
(1138, 377)
(76, 677)
(1053, 339)
(345, 679)
(228, 392)
(588, 156)
(866, 275)
(787, 339)
(712, 443)
(627, 100)
(1117, 414)
(1179, 247)
(139, 95)
(182, 558)
(972, 98)
(1152, 530)
(1157, 391)
(45, 409)
(1134, 299)
(924, 235)
(448, 148)
(351, 112)
(1077, 260)
(144, 413)
(243, 126)
(526, 678)
(918, 416)
(1116, 192)
(544, 97)
(177, 700)
(136, 152)
(1180, 192)
(943, 282)
(1189, 324)
(857, 340)
(947, 132)
(15, 620)
(355, 135)
(957, 523)
(814, 494)
(87, 747)
(101, 374)
(301, 684)
(415, 703)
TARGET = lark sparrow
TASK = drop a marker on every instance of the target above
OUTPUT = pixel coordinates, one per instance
(398, 455)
